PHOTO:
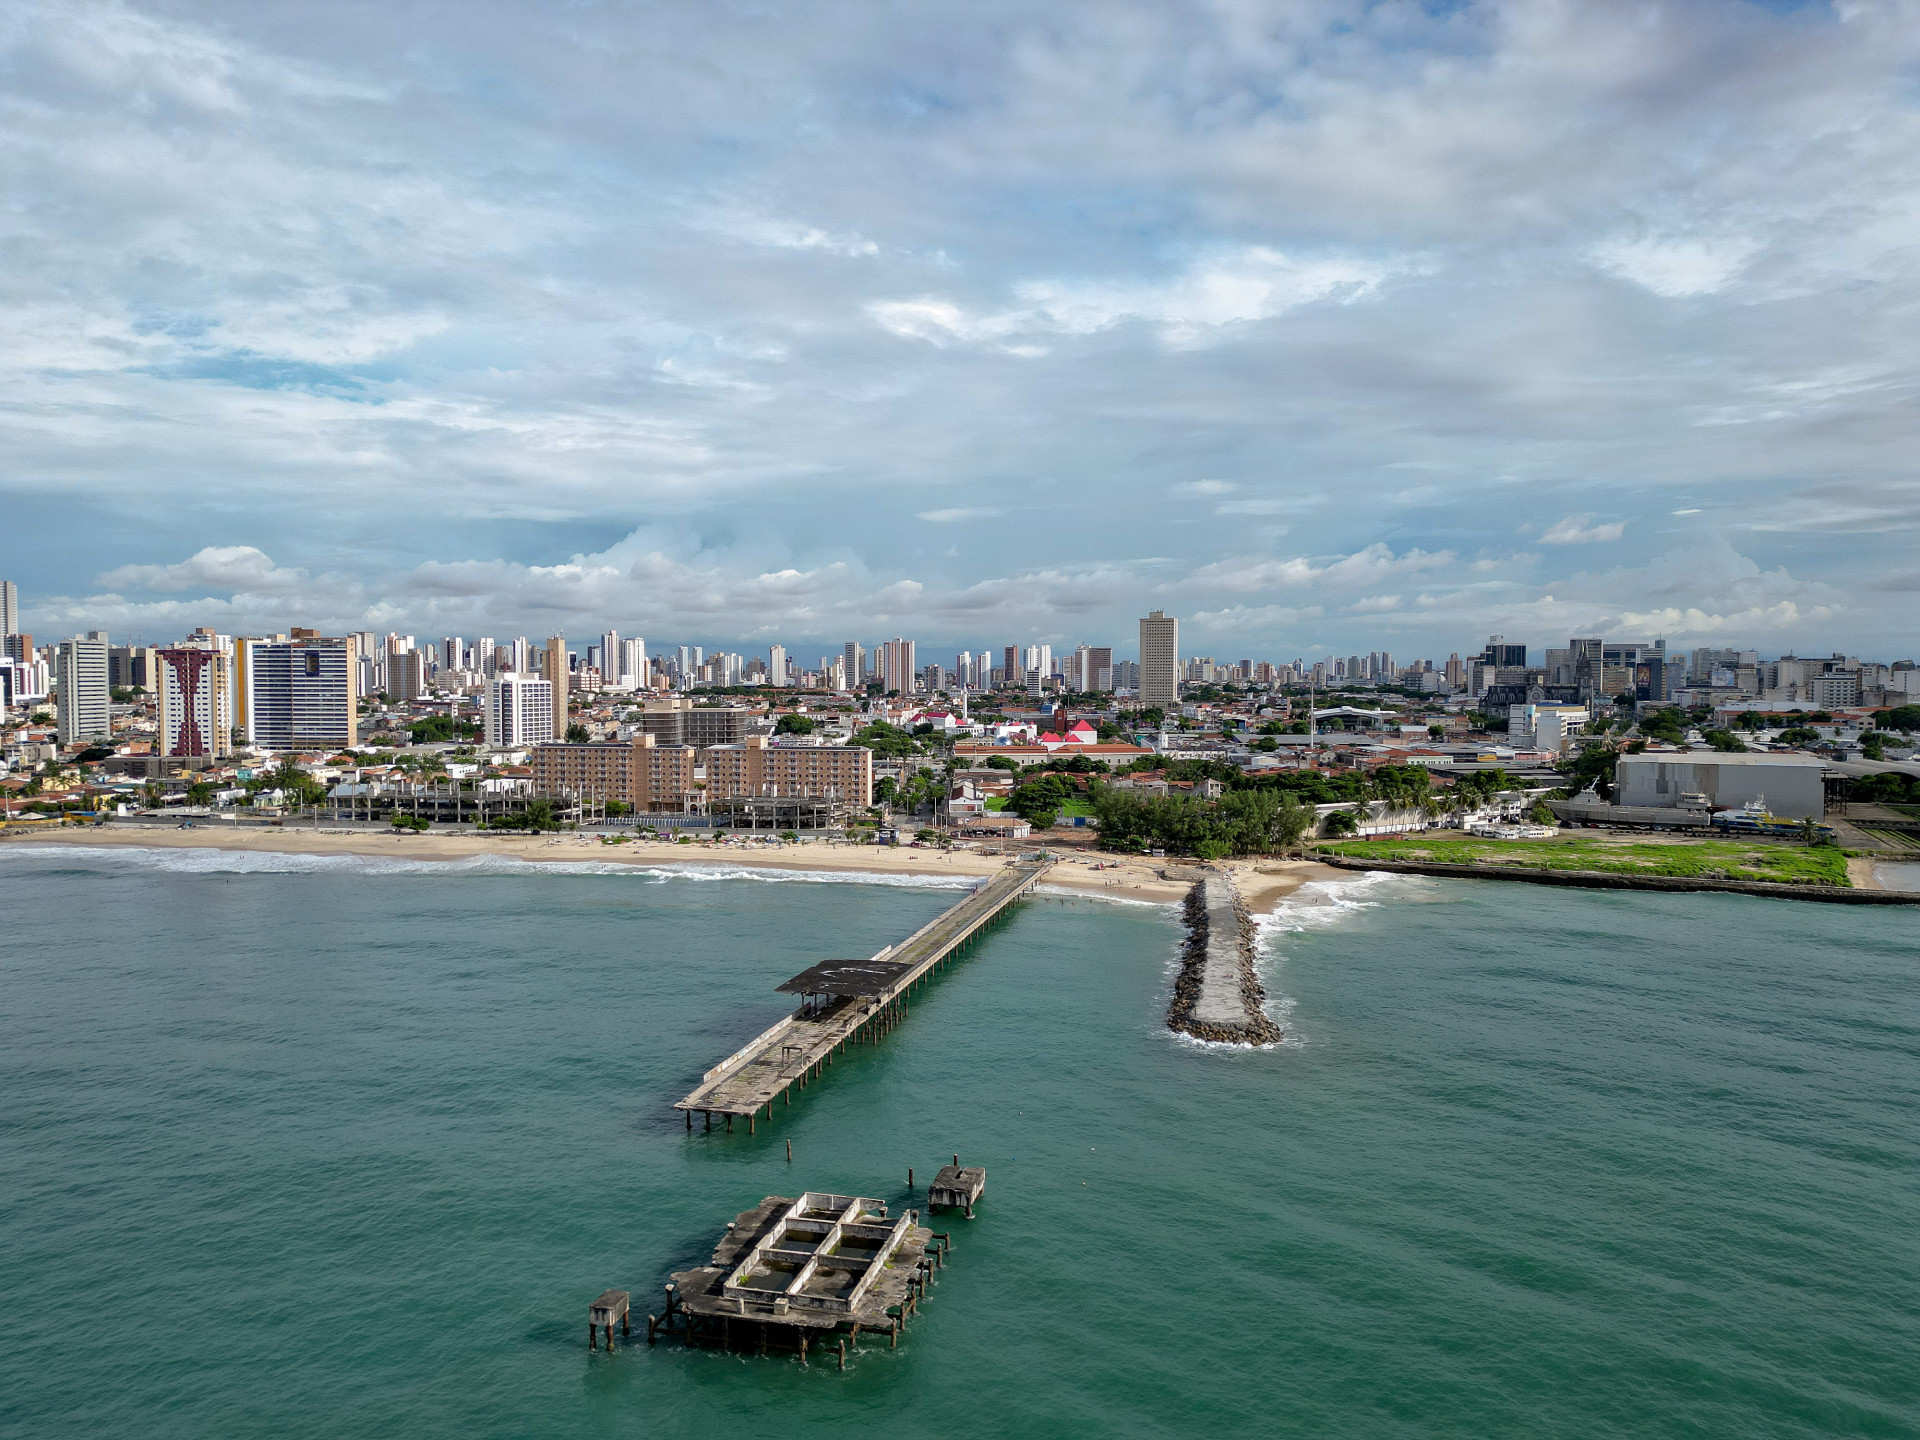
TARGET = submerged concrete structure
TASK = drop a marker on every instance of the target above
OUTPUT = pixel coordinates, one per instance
(1218, 995)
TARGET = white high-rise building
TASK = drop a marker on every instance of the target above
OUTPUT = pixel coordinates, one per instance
(522, 656)
(777, 673)
(453, 653)
(611, 676)
(82, 698)
(633, 665)
(519, 711)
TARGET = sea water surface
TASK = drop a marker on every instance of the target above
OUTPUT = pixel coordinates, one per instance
(333, 1147)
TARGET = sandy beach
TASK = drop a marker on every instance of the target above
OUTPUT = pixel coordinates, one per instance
(1262, 884)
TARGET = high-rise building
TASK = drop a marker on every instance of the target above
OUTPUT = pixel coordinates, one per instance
(1013, 668)
(302, 693)
(130, 667)
(777, 666)
(629, 663)
(854, 661)
(9, 608)
(611, 675)
(1090, 669)
(519, 711)
(453, 653)
(406, 675)
(1498, 652)
(896, 667)
(1159, 660)
(557, 677)
(82, 698)
(196, 696)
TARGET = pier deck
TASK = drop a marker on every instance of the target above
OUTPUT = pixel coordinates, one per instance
(793, 1051)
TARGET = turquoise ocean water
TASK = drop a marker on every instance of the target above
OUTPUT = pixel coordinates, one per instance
(302, 1147)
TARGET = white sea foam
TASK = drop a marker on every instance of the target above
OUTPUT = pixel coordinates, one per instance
(1316, 905)
(1068, 892)
(212, 861)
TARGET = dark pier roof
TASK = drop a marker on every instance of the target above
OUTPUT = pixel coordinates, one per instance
(847, 977)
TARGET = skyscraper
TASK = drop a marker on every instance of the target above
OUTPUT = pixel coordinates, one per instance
(896, 667)
(1159, 660)
(453, 653)
(611, 675)
(777, 666)
(855, 660)
(406, 674)
(82, 699)
(557, 677)
(633, 665)
(301, 693)
(9, 608)
(196, 696)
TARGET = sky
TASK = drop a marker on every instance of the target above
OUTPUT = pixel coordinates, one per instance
(1325, 326)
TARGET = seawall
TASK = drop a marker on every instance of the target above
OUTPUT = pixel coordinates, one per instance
(1218, 995)
(1603, 880)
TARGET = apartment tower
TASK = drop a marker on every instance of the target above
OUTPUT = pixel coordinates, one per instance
(1159, 660)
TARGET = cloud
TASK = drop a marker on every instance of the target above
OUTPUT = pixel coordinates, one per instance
(1677, 267)
(703, 335)
(1253, 283)
(1578, 530)
(232, 567)
(963, 512)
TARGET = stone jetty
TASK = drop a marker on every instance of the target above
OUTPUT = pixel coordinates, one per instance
(1218, 995)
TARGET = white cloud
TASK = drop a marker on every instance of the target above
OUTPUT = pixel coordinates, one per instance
(1205, 487)
(1252, 283)
(962, 512)
(230, 567)
(1676, 267)
(1578, 530)
(1363, 567)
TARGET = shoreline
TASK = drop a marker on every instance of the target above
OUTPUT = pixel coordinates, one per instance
(1607, 880)
(1262, 883)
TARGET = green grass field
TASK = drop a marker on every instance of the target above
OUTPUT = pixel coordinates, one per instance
(1690, 859)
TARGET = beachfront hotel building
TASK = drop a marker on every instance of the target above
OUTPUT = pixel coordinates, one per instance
(1159, 660)
(637, 772)
(756, 767)
(520, 711)
(301, 693)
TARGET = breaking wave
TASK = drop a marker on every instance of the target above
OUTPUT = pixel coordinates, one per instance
(213, 861)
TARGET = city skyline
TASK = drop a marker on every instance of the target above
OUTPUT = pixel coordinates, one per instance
(1511, 318)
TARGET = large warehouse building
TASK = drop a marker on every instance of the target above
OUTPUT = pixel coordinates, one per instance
(1791, 785)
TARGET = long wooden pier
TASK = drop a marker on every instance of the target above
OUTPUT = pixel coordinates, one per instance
(849, 1002)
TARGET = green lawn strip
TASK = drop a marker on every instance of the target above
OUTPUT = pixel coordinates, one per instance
(1696, 859)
